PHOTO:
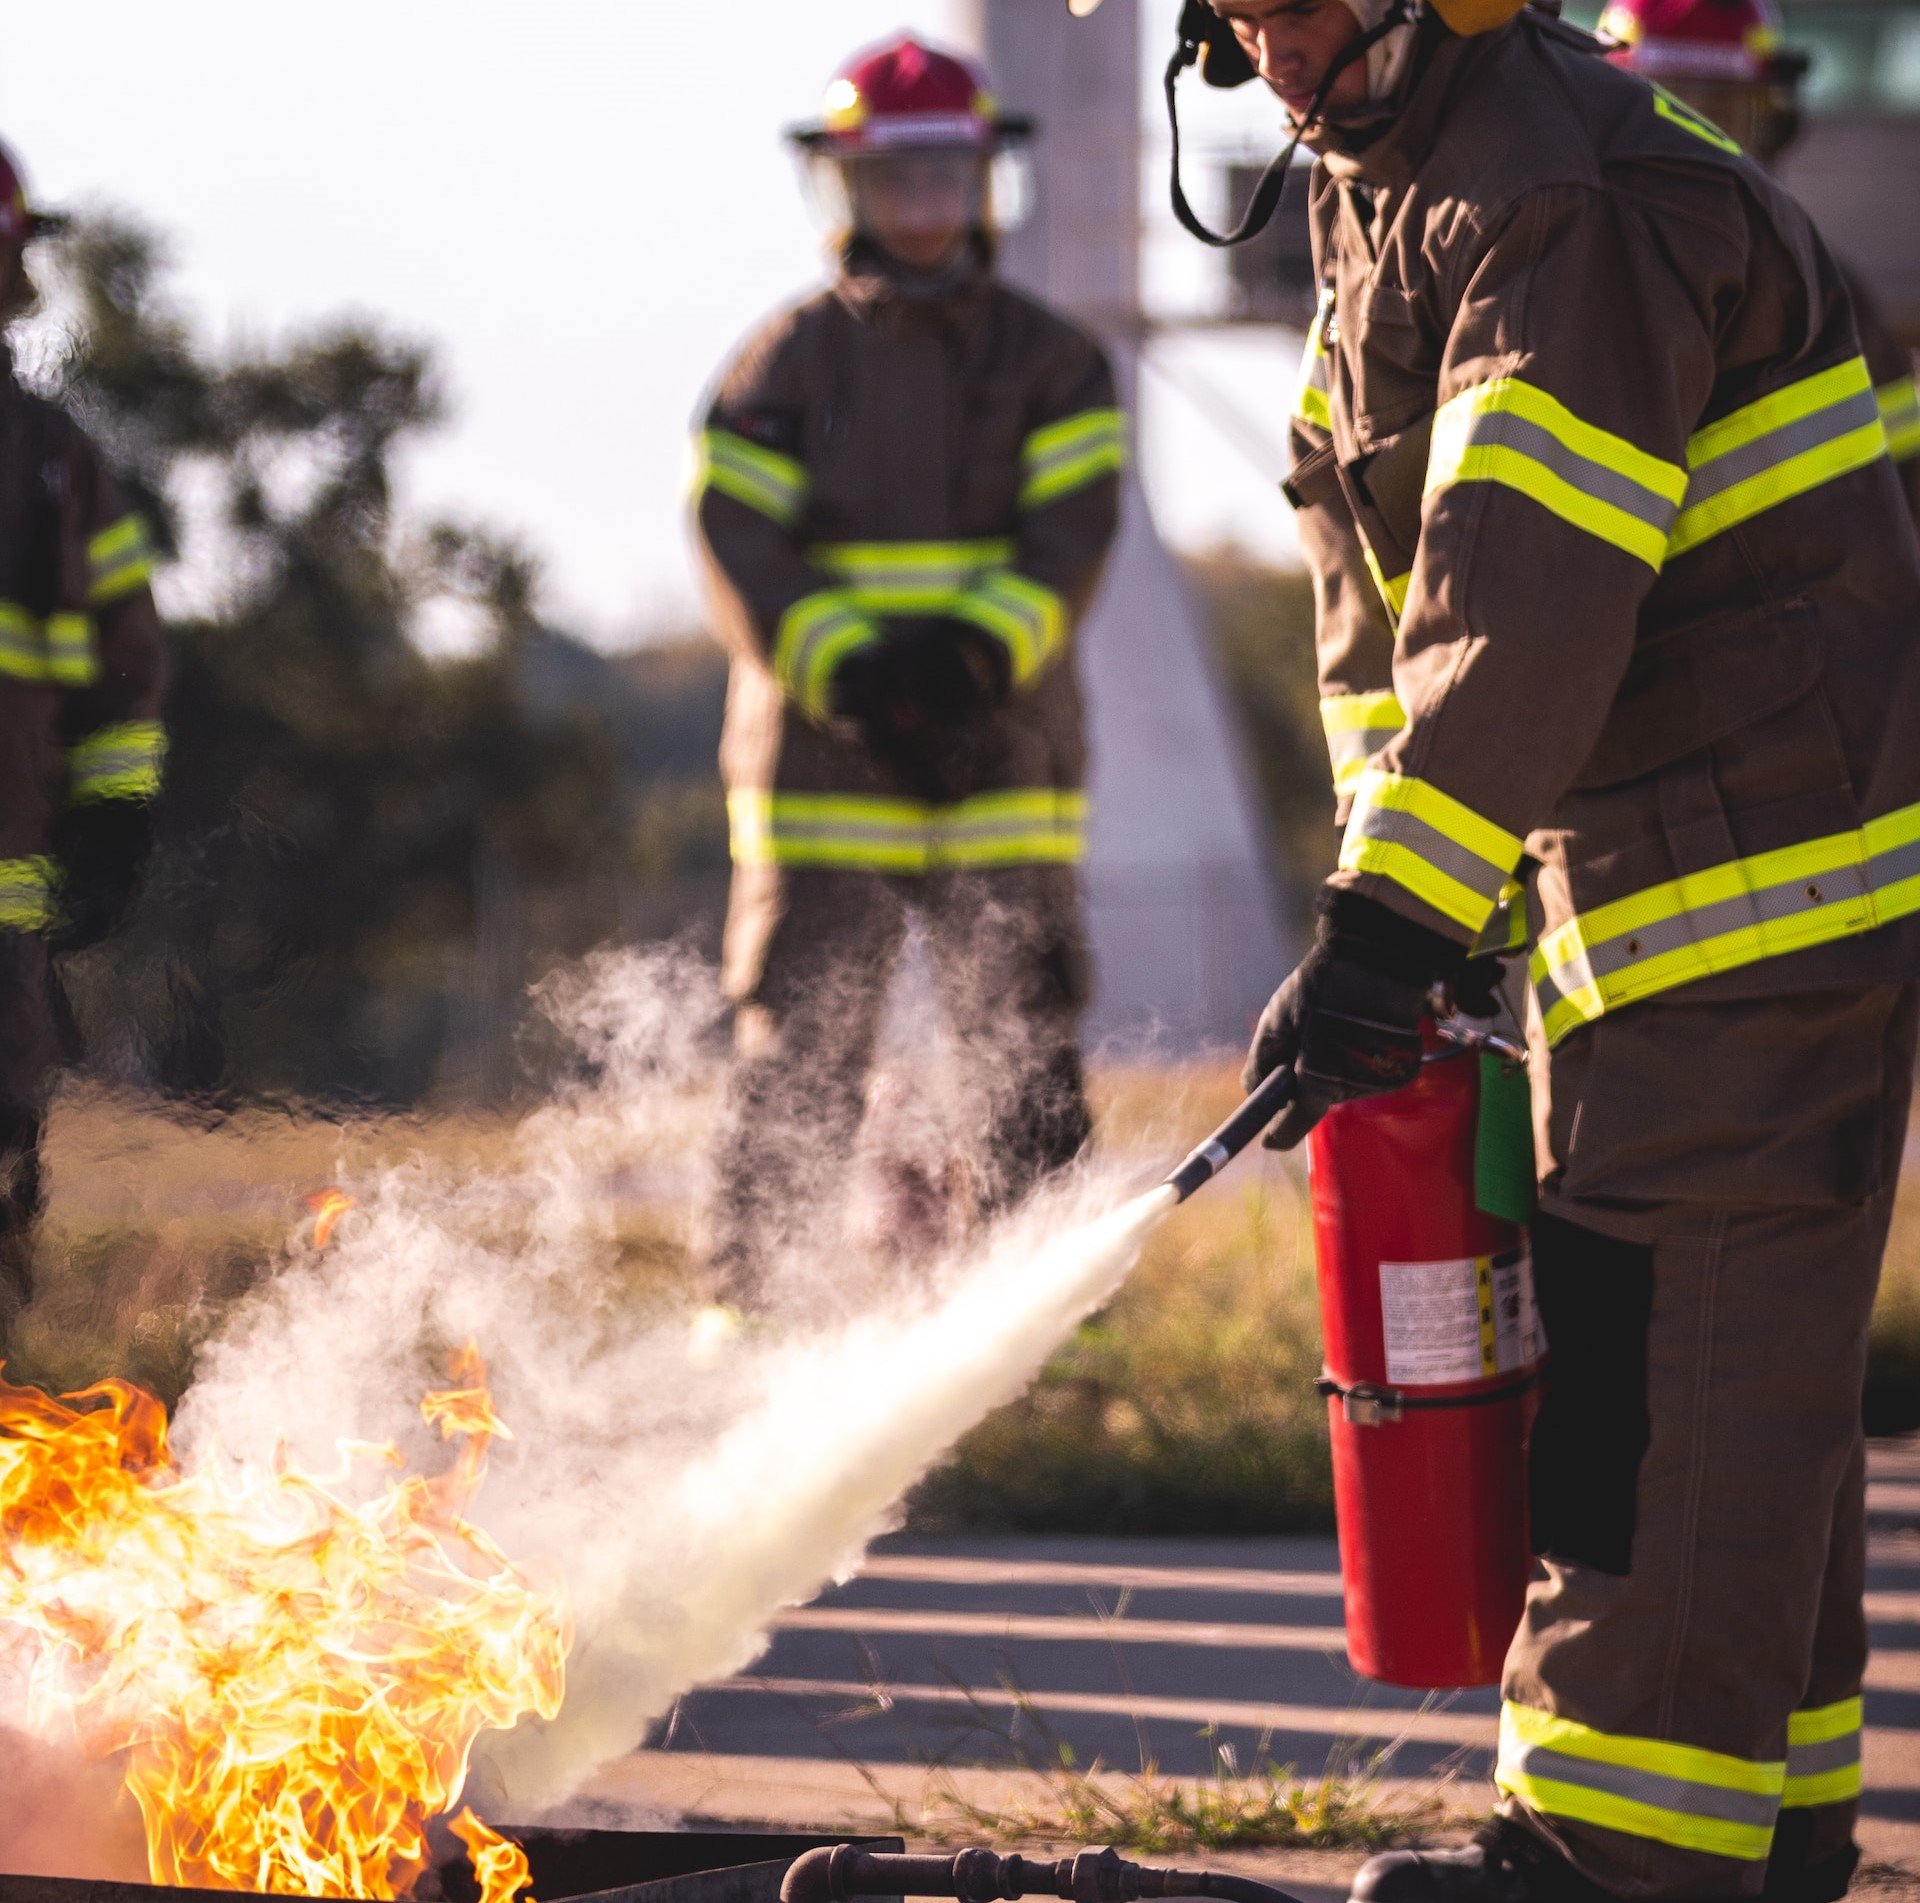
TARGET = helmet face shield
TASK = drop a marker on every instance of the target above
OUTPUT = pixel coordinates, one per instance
(917, 202)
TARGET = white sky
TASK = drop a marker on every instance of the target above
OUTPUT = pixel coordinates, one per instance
(580, 206)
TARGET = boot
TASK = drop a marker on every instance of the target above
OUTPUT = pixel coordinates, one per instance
(1503, 1864)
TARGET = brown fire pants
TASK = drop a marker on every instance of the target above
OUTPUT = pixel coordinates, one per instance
(810, 959)
(27, 1056)
(1681, 1711)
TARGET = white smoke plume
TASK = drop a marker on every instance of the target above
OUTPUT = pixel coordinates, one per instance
(684, 1495)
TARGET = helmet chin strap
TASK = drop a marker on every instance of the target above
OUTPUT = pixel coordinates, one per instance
(1266, 195)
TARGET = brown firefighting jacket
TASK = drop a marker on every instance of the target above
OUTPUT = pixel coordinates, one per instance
(1614, 570)
(1890, 364)
(872, 456)
(83, 665)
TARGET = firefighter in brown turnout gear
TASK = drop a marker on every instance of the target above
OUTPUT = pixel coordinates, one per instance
(82, 675)
(907, 486)
(1617, 594)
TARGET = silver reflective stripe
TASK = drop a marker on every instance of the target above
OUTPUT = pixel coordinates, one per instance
(1756, 1808)
(1781, 445)
(1582, 472)
(1832, 1754)
(1396, 826)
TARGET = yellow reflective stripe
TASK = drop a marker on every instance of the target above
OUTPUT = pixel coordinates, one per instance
(1673, 1793)
(815, 635)
(1823, 1755)
(1731, 915)
(763, 479)
(1513, 433)
(1769, 451)
(1678, 112)
(1357, 726)
(1310, 403)
(864, 833)
(119, 560)
(908, 577)
(1428, 842)
(23, 646)
(1506, 930)
(1899, 404)
(71, 661)
(1392, 588)
(26, 894)
(117, 763)
(1069, 454)
(1031, 621)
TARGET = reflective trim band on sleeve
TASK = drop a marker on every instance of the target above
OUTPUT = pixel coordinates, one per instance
(71, 659)
(1442, 852)
(26, 894)
(862, 833)
(117, 763)
(1357, 726)
(763, 479)
(1311, 403)
(23, 644)
(1674, 1793)
(119, 560)
(1823, 1755)
(1030, 620)
(908, 577)
(1064, 456)
(1512, 432)
(815, 635)
(1899, 405)
(1731, 915)
(1506, 930)
(1767, 452)
(1393, 588)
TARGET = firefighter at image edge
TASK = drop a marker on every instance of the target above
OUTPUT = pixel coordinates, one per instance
(906, 488)
(1617, 600)
(83, 674)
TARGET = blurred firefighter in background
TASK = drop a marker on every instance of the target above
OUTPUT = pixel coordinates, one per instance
(1725, 59)
(1616, 595)
(82, 676)
(907, 487)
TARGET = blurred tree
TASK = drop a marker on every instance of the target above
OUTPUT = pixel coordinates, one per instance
(332, 789)
(1261, 620)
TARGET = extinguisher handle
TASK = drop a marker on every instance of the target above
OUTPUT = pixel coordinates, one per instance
(1272, 1096)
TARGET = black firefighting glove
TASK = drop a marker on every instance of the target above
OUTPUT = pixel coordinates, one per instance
(1348, 1019)
(100, 848)
(949, 671)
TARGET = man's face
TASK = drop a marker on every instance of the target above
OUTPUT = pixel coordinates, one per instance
(1292, 43)
(918, 206)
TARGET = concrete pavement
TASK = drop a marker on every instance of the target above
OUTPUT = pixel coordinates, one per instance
(969, 1666)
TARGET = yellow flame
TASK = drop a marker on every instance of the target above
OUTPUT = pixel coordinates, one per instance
(293, 1682)
(500, 1865)
(328, 1207)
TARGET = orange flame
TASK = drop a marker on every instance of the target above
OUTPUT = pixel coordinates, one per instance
(294, 1682)
(328, 1206)
(500, 1865)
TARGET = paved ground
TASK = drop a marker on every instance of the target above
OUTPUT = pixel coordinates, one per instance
(964, 1664)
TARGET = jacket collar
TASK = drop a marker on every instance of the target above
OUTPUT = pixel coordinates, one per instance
(1370, 155)
(872, 285)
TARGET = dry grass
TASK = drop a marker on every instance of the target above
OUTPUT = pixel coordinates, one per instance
(1187, 1407)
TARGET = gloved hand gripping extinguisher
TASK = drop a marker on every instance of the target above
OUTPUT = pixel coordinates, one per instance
(1433, 1350)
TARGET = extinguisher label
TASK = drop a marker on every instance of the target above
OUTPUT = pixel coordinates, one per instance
(1461, 1320)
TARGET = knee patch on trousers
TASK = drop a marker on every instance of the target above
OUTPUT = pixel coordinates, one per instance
(1583, 1460)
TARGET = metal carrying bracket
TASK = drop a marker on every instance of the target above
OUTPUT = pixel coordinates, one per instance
(1365, 1404)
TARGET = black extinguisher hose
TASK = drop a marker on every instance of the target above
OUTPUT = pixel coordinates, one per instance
(1211, 1157)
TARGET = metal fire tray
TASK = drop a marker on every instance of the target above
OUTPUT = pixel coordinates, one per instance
(568, 1866)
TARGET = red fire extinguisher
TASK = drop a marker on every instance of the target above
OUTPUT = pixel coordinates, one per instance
(1433, 1350)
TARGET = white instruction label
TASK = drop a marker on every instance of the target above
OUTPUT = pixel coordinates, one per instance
(1462, 1320)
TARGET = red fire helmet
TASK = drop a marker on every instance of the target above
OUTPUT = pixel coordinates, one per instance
(1735, 40)
(19, 222)
(904, 96)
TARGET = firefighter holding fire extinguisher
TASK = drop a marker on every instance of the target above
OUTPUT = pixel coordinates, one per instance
(1617, 592)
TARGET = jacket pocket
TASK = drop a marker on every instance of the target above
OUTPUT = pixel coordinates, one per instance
(1394, 367)
(1691, 687)
(1384, 489)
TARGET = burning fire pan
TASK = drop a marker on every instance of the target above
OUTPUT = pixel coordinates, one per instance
(568, 1866)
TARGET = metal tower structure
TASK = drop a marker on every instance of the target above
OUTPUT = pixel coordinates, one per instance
(1180, 896)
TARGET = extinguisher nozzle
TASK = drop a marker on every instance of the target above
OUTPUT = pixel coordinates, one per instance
(1254, 1115)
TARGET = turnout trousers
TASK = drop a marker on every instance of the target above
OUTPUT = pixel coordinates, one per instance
(1681, 1708)
(810, 957)
(28, 1052)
